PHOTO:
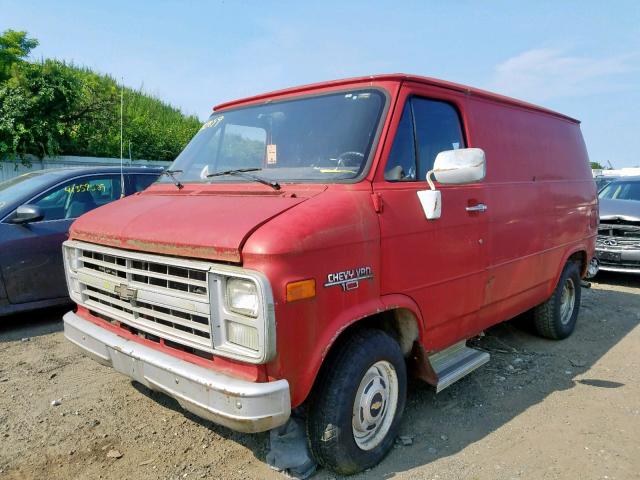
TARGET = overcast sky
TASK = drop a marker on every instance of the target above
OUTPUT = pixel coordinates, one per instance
(581, 58)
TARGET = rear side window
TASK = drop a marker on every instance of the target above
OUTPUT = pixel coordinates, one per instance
(427, 128)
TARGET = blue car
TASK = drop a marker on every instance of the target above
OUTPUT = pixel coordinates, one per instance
(36, 210)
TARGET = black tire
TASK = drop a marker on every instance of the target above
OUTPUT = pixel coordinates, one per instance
(548, 318)
(331, 406)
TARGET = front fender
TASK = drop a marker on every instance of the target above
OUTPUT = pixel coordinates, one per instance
(337, 327)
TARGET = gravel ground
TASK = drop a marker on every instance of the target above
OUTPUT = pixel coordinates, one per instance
(539, 409)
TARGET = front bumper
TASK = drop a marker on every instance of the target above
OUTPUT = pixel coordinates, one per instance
(617, 260)
(238, 404)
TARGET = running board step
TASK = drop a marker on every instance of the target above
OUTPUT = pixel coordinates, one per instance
(453, 363)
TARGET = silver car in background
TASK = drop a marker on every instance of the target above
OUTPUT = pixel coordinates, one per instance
(618, 243)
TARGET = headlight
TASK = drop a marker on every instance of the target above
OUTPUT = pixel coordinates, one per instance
(242, 314)
(242, 297)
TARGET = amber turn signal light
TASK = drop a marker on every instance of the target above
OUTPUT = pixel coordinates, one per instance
(301, 290)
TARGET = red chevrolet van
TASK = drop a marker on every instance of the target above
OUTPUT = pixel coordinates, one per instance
(316, 245)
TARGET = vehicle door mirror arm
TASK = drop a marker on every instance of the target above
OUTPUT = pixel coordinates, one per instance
(431, 200)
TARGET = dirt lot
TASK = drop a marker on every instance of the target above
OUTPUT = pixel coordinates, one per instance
(539, 409)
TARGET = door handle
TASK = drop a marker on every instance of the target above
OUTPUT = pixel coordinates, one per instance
(481, 207)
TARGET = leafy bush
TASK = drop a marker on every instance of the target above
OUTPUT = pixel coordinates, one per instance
(52, 108)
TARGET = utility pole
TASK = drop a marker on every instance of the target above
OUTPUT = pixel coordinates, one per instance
(121, 136)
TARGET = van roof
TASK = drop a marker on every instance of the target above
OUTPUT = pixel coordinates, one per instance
(398, 77)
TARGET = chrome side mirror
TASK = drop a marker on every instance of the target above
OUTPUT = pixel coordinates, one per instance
(451, 167)
(465, 165)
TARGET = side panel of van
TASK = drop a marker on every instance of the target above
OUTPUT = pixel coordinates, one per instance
(540, 197)
(467, 270)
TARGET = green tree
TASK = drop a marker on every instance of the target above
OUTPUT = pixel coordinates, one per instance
(14, 48)
(596, 166)
(37, 105)
(51, 108)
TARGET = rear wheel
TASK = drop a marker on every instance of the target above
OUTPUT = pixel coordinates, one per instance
(355, 410)
(556, 318)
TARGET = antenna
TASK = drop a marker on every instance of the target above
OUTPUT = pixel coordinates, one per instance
(121, 137)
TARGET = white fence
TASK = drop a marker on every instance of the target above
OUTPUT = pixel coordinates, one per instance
(619, 172)
(12, 169)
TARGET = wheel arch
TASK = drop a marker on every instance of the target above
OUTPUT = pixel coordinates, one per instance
(397, 315)
(578, 254)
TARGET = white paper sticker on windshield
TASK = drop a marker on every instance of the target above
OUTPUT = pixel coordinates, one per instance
(213, 122)
(272, 156)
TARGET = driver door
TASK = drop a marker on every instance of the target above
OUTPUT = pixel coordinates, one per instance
(441, 264)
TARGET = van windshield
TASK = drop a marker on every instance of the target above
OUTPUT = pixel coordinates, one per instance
(323, 138)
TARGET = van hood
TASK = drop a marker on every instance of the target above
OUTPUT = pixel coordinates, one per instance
(208, 225)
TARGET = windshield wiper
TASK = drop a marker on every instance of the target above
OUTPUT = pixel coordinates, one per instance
(170, 174)
(243, 172)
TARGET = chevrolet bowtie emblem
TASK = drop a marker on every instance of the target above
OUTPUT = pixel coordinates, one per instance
(125, 293)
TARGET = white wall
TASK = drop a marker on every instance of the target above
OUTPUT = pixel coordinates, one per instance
(618, 172)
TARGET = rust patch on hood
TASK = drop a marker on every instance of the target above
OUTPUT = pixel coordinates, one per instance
(179, 250)
(95, 237)
(184, 250)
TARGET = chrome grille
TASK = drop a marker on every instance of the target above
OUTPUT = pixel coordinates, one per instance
(618, 236)
(617, 243)
(167, 300)
(148, 273)
(180, 302)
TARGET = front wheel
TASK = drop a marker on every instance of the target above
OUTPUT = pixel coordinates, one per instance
(556, 318)
(358, 401)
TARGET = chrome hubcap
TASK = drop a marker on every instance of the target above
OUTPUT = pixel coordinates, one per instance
(375, 405)
(567, 301)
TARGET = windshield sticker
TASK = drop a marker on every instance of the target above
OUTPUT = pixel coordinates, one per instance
(272, 155)
(213, 122)
(85, 187)
(349, 279)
